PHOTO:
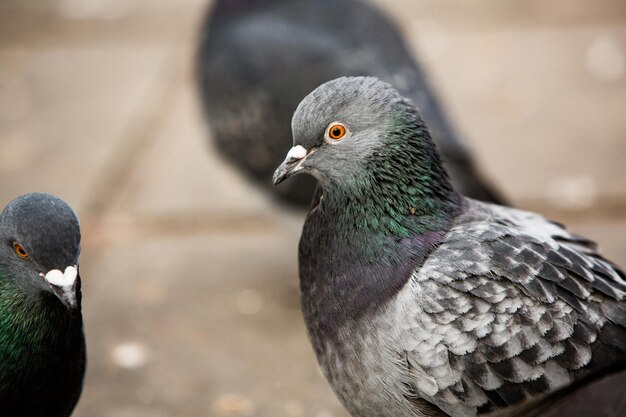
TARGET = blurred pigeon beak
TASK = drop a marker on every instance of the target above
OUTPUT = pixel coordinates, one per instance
(64, 285)
(292, 163)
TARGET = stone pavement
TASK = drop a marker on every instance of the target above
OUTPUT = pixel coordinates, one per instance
(190, 294)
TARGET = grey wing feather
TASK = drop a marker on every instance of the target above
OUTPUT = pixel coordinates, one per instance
(510, 305)
(599, 394)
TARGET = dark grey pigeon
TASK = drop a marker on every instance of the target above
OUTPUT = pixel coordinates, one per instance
(42, 345)
(420, 301)
(599, 394)
(259, 58)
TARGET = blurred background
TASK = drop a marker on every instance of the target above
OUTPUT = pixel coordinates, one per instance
(189, 271)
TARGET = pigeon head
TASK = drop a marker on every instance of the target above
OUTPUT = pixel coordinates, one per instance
(349, 128)
(40, 246)
(337, 128)
(364, 142)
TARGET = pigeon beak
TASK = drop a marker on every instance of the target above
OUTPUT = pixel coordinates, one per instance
(65, 285)
(292, 163)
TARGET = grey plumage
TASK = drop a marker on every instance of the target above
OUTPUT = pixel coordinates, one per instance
(42, 345)
(259, 58)
(479, 326)
(419, 301)
(599, 394)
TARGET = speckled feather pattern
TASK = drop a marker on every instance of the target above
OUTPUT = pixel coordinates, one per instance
(599, 394)
(507, 306)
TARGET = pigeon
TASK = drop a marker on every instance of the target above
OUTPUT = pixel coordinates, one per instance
(42, 345)
(599, 394)
(420, 301)
(258, 59)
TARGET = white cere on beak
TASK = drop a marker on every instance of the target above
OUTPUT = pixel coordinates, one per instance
(297, 152)
(65, 282)
(62, 279)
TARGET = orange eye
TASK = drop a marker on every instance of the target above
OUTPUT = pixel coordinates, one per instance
(20, 251)
(337, 131)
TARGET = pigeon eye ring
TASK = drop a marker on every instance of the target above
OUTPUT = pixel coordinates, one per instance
(336, 131)
(20, 251)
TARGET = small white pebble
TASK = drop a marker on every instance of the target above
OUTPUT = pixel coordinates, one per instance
(130, 355)
(249, 302)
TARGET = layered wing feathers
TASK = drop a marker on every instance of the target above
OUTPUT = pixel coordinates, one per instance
(509, 306)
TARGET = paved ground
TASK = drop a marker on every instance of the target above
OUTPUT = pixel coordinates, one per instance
(189, 272)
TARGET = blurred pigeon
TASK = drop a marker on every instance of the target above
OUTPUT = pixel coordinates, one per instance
(599, 394)
(259, 58)
(420, 301)
(42, 346)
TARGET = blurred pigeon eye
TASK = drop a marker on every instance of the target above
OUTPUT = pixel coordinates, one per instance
(336, 131)
(20, 251)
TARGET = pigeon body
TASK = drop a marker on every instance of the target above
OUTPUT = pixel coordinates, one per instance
(422, 302)
(42, 346)
(599, 394)
(259, 58)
